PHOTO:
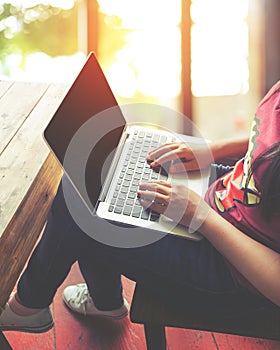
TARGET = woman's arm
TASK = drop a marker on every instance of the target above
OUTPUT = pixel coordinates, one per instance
(257, 263)
(229, 148)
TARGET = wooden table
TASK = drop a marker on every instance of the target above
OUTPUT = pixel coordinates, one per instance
(29, 174)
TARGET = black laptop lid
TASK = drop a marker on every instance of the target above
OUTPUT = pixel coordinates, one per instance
(89, 120)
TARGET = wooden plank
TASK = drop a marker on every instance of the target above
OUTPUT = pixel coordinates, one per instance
(32, 341)
(4, 87)
(227, 341)
(181, 339)
(25, 154)
(29, 341)
(77, 332)
(23, 230)
(16, 105)
(85, 333)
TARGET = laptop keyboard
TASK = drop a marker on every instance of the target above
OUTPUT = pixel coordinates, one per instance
(136, 170)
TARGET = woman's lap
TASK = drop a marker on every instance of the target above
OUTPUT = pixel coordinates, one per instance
(194, 266)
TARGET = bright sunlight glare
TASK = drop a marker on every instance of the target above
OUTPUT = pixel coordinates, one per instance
(64, 4)
(219, 47)
(149, 62)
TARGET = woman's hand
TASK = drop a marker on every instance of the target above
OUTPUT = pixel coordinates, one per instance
(181, 156)
(177, 202)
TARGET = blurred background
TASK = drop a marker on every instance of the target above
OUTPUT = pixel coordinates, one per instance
(212, 60)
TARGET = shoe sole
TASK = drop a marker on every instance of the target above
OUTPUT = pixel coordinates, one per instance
(42, 329)
(119, 317)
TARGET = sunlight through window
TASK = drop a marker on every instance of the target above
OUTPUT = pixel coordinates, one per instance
(139, 44)
(147, 61)
(39, 40)
(219, 47)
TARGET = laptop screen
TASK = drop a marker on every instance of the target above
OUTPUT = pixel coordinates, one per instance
(86, 129)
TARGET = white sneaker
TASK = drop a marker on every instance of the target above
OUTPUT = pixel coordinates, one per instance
(39, 322)
(77, 298)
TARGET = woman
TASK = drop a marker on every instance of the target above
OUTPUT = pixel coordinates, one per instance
(239, 259)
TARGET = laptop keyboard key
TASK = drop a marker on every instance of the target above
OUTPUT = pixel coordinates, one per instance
(120, 203)
(145, 215)
(127, 210)
(129, 202)
(118, 210)
(131, 195)
(154, 216)
(136, 212)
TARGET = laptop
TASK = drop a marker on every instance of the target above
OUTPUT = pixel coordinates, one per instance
(104, 156)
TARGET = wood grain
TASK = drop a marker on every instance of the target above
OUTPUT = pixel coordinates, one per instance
(4, 87)
(23, 230)
(29, 175)
(16, 104)
(25, 153)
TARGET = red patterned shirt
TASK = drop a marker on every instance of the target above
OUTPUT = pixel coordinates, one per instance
(237, 202)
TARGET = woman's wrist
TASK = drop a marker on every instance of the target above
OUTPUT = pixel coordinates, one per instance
(197, 213)
(207, 224)
(218, 150)
(229, 148)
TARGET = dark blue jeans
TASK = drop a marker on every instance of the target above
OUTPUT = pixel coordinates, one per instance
(195, 267)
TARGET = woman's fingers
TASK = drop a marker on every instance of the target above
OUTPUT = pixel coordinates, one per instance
(176, 157)
(154, 206)
(166, 157)
(175, 201)
(183, 166)
(164, 198)
(162, 187)
(154, 195)
(158, 152)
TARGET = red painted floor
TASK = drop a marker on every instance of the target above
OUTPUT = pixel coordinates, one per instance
(73, 332)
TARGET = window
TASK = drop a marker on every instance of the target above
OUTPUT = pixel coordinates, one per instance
(140, 47)
(219, 47)
(39, 40)
(138, 44)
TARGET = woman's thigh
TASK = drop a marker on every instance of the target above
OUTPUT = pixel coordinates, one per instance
(196, 267)
(172, 258)
(193, 269)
